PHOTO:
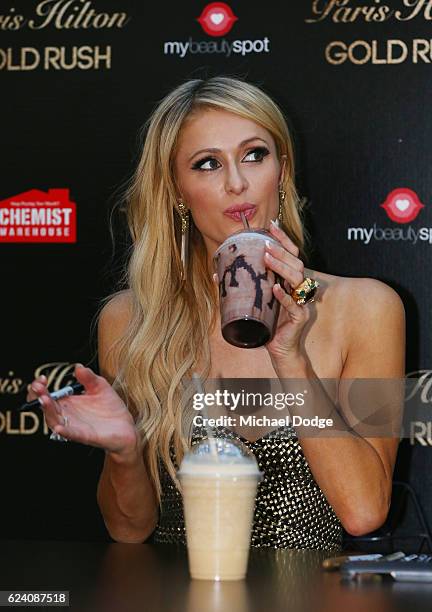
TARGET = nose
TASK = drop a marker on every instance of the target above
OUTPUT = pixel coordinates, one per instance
(236, 182)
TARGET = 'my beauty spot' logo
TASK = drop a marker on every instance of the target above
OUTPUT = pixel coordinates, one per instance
(402, 205)
(216, 19)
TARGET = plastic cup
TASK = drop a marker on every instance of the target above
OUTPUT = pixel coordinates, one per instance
(219, 487)
(249, 310)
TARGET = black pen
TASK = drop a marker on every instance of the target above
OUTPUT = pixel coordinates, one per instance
(73, 389)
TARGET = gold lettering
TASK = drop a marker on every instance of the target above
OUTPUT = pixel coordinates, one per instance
(10, 65)
(75, 14)
(20, 423)
(56, 373)
(43, 10)
(52, 55)
(384, 13)
(375, 58)
(10, 385)
(322, 13)
(416, 5)
(36, 58)
(11, 22)
(83, 58)
(32, 416)
(336, 52)
(345, 15)
(9, 428)
(339, 11)
(423, 384)
(391, 59)
(422, 50)
(421, 432)
(359, 44)
(100, 20)
(360, 52)
(101, 57)
(58, 22)
(27, 58)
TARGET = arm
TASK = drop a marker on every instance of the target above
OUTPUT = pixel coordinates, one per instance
(125, 494)
(355, 472)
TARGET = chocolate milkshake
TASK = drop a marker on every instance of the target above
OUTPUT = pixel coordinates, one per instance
(249, 310)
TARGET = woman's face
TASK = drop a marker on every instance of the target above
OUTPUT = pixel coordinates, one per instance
(225, 164)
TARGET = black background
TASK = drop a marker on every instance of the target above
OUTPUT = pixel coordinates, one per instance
(360, 131)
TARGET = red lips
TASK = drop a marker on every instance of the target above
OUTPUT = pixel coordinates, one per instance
(402, 205)
(234, 211)
(217, 19)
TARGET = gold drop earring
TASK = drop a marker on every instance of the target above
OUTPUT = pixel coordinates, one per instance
(282, 196)
(184, 248)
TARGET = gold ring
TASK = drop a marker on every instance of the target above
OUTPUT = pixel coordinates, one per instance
(305, 292)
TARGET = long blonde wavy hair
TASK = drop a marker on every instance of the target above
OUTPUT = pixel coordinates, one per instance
(168, 333)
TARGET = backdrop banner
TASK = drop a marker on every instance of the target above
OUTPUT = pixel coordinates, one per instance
(80, 77)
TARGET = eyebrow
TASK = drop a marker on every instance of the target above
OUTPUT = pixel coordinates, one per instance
(215, 150)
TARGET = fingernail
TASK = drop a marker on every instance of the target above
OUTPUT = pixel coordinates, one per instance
(79, 365)
(275, 223)
(268, 244)
(215, 278)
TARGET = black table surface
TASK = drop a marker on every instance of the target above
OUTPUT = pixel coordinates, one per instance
(112, 577)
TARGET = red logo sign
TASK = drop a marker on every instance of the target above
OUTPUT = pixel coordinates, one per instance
(402, 205)
(36, 216)
(217, 19)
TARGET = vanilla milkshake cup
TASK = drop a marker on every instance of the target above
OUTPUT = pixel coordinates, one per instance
(249, 310)
(219, 481)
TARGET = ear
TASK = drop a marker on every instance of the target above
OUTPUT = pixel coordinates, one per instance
(282, 169)
(177, 188)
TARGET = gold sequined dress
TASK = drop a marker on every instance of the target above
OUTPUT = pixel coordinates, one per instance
(291, 511)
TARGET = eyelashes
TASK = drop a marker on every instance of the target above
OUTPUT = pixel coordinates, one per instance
(259, 152)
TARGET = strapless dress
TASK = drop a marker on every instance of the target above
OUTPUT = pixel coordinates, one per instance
(291, 511)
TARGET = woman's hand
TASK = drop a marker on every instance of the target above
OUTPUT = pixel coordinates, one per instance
(283, 259)
(98, 417)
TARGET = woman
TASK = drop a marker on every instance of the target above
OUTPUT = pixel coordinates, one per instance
(213, 148)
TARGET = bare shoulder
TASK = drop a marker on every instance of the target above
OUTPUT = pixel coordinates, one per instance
(362, 297)
(117, 309)
(368, 317)
(113, 322)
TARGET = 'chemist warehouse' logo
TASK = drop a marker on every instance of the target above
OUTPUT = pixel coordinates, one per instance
(402, 205)
(216, 19)
(36, 216)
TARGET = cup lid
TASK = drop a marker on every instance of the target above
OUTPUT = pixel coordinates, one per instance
(245, 234)
(219, 457)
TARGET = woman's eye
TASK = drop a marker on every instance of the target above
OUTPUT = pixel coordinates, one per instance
(210, 163)
(257, 154)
